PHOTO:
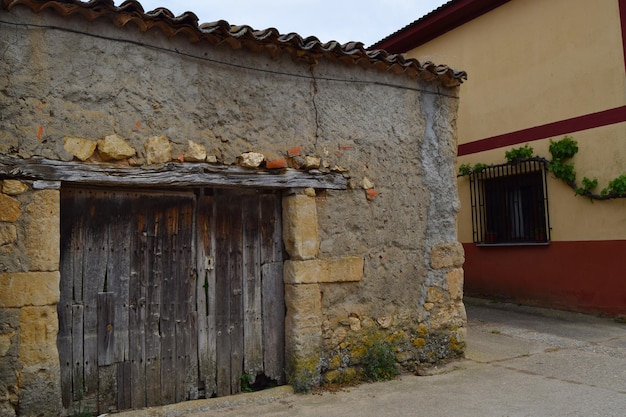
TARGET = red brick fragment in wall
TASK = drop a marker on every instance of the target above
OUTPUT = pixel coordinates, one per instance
(294, 151)
(276, 163)
(371, 193)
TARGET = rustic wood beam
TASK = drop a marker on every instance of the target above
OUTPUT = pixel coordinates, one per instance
(167, 175)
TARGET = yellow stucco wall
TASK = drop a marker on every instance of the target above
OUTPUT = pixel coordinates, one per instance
(533, 62)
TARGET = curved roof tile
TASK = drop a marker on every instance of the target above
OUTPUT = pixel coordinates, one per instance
(219, 32)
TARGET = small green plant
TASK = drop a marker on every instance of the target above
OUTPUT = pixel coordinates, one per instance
(563, 149)
(467, 169)
(587, 186)
(562, 171)
(246, 382)
(516, 154)
(479, 167)
(379, 362)
(616, 188)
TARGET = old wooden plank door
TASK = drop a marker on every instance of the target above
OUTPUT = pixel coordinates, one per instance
(168, 296)
(240, 290)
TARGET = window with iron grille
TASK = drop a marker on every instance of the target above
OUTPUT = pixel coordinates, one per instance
(510, 203)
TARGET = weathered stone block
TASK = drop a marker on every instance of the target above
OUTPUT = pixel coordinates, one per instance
(434, 295)
(38, 336)
(29, 289)
(303, 330)
(312, 162)
(9, 209)
(42, 240)
(40, 391)
(8, 233)
(454, 279)
(304, 306)
(300, 228)
(113, 148)
(195, 152)
(13, 187)
(302, 272)
(345, 269)
(447, 255)
(80, 148)
(251, 159)
(158, 150)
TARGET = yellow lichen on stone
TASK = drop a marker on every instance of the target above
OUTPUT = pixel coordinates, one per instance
(418, 342)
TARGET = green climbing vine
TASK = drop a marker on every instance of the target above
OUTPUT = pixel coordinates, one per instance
(562, 152)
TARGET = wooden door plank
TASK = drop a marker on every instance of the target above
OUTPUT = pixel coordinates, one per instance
(251, 280)
(78, 379)
(139, 258)
(223, 231)
(186, 336)
(236, 293)
(169, 377)
(206, 296)
(274, 321)
(271, 230)
(71, 242)
(106, 329)
(118, 267)
(191, 377)
(123, 370)
(94, 281)
(107, 388)
(153, 274)
(273, 287)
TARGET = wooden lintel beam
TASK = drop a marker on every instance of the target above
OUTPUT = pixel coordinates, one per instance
(167, 175)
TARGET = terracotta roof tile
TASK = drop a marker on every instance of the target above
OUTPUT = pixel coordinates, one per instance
(220, 32)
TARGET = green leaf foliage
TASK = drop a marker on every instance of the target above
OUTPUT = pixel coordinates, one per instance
(515, 154)
(563, 149)
(616, 188)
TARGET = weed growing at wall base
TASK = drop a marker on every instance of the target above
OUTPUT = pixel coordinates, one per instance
(379, 362)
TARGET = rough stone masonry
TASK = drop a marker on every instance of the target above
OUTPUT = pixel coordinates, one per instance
(377, 261)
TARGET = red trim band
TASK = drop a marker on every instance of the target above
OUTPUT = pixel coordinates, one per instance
(562, 127)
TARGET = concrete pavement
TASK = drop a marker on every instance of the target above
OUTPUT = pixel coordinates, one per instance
(520, 361)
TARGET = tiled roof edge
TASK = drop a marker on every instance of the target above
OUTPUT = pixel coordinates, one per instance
(220, 32)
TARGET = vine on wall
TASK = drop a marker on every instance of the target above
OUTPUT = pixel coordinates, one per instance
(561, 167)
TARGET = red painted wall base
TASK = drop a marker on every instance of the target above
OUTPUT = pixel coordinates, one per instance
(585, 276)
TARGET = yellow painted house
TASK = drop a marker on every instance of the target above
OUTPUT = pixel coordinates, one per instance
(538, 70)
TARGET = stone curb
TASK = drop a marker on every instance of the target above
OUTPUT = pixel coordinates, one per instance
(212, 404)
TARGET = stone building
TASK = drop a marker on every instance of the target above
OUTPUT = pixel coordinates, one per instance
(186, 208)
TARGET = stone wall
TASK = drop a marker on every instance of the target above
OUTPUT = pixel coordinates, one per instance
(376, 262)
(29, 293)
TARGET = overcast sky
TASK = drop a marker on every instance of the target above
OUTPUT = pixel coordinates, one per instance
(367, 21)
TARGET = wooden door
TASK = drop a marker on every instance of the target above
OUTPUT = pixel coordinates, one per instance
(240, 290)
(167, 297)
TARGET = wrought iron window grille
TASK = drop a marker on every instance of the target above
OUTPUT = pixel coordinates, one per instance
(510, 203)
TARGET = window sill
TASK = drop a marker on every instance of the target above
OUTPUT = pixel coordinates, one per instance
(489, 245)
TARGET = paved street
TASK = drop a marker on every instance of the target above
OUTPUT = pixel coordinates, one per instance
(520, 361)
